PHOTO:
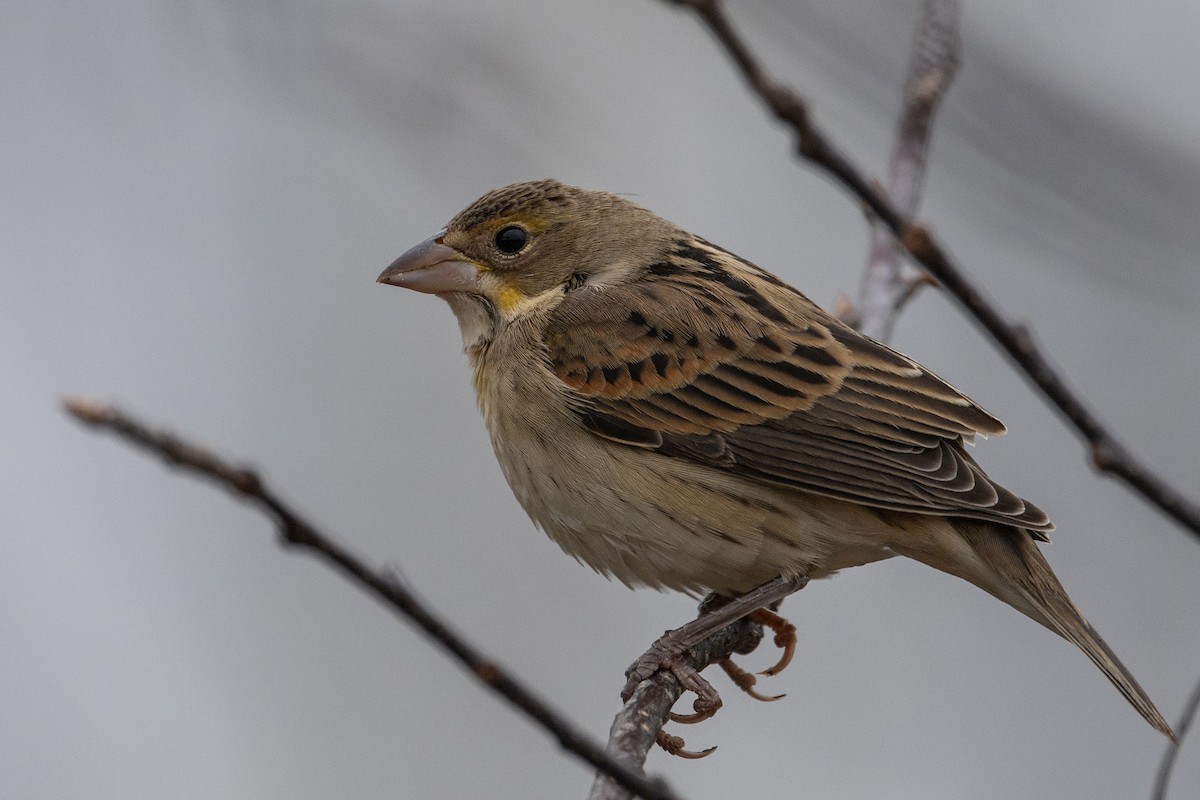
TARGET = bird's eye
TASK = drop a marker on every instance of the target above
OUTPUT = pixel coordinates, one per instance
(511, 239)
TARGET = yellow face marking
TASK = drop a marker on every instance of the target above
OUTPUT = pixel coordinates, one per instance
(509, 299)
(512, 303)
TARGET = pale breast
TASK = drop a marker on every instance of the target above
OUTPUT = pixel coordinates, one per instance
(645, 518)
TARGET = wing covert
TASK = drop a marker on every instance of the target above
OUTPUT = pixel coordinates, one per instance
(761, 382)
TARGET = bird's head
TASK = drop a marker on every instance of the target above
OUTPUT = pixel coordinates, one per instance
(521, 249)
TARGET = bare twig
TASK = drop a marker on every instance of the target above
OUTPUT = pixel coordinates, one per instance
(636, 727)
(1167, 765)
(296, 531)
(1107, 454)
(889, 283)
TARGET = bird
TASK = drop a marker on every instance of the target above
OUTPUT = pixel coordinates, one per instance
(676, 417)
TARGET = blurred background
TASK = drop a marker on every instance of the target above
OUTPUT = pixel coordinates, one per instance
(196, 199)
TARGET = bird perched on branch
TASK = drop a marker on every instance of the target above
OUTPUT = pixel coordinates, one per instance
(676, 417)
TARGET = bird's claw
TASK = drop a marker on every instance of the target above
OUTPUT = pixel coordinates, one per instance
(675, 746)
(705, 705)
(785, 638)
(745, 681)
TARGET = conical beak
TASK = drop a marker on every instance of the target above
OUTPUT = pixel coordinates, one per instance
(434, 268)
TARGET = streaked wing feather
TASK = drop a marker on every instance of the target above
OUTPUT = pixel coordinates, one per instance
(762, 383)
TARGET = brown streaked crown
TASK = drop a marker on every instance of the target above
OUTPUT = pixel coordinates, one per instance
(531, 197)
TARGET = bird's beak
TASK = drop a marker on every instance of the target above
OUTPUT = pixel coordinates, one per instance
(434, 268)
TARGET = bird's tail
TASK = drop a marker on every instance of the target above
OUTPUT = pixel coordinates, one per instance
(1010, 566)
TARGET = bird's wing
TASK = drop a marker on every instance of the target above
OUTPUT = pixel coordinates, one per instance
(714, 360)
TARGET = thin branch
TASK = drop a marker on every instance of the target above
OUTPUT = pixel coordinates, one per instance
(888, 282)
(1107, 453)
(636, 727)
(1167, 765)
(296, 531)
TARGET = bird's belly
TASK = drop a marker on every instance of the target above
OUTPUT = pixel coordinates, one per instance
(648, 519)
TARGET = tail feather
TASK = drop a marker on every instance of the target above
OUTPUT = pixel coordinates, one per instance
(1009, 565)
(1016, 559)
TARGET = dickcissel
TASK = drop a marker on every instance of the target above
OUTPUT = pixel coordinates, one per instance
(677, 417)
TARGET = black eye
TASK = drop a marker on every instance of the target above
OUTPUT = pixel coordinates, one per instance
(511, 239)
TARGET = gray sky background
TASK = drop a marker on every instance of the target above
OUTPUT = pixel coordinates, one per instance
(195, 201)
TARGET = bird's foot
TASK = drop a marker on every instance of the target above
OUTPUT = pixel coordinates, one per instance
(666, 654)
(716, 612)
